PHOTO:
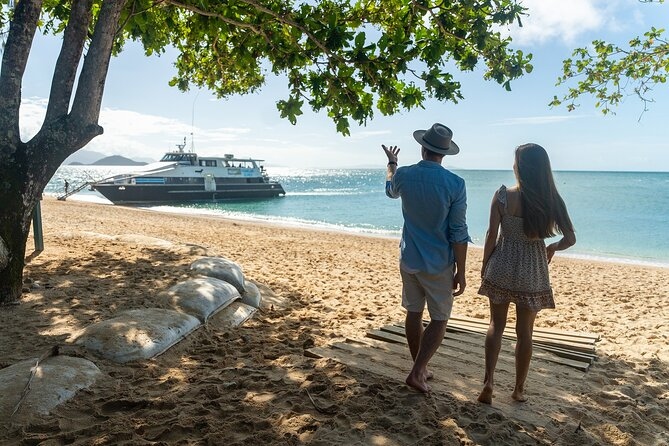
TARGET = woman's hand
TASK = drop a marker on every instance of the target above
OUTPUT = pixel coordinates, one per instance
(550, 251)
(391, 153)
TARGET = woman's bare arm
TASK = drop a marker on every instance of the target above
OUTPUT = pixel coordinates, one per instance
(493, 230)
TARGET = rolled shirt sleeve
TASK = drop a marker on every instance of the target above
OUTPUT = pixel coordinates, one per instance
(392, 186)
(457, 223)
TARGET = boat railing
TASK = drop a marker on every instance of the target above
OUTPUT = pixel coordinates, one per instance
(73, 191)
(82, 186)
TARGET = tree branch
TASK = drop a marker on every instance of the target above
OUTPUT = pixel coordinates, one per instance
(221, 17)
(14, 59)
(65, 71)
(280, 18)
(88, 99)
(294, 24)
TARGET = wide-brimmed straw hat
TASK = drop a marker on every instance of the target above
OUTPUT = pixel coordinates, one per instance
(438, 139)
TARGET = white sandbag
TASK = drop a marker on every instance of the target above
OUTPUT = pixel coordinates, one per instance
(252, 295)
(55, 380)
(233, 315)
(221, 268)
(137, 334)
(201, 297)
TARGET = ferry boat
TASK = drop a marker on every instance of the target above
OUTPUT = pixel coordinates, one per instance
(182, 176)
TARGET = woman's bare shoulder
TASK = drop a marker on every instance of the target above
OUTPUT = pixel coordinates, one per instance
(513, 200)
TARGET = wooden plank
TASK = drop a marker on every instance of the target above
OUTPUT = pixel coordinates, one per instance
(567, 354)
(467, 336)
(584, 348)
(475, 335)
(538, 333)
(507, 354)
(574, 352)
(457, 347)
(578, 334)
(396, 335)
(511, 330)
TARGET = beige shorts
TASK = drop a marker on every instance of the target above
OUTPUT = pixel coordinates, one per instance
(435, 289)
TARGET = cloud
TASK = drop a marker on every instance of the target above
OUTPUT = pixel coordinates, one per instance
(564, 20)
(536, 120)
(369, 134)
(135, 135)
(31, 116)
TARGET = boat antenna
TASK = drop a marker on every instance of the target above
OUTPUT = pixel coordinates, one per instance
(192, 123)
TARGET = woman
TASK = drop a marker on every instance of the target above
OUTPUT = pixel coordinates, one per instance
(515, 267)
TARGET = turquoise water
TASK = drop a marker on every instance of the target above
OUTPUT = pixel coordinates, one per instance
(618, 215)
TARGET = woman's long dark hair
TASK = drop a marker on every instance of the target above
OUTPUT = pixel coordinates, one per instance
(544, 211)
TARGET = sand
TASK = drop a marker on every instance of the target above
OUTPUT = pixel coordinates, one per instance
(254, 384)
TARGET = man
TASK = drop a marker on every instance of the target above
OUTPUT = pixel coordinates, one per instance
(433, 249)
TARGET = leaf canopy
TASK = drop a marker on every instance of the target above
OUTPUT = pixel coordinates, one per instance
(609, 73)
(348, 58)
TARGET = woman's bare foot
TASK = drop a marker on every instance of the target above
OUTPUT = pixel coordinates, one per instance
(418, 382)
(518, 396)
(486, 395)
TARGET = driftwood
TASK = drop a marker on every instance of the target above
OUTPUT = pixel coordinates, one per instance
(53, 351)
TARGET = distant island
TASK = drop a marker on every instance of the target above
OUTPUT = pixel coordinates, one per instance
(114, 160)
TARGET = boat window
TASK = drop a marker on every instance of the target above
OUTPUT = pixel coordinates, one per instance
(181, 158)
(208, 163)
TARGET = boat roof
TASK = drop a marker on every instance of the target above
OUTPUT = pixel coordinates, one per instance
(226, 157)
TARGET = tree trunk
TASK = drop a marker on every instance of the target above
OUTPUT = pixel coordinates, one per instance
(18, 198)
(25, 168)
(15, 232)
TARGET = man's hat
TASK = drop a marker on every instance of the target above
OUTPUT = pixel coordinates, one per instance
(437, 139)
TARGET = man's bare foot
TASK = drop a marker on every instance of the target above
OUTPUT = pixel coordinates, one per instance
(418, 384)
(518, 396)
(486, 395)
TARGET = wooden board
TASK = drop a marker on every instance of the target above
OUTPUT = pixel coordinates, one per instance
(463, 343)
(536, 340)
(582, 335)
(581, 344)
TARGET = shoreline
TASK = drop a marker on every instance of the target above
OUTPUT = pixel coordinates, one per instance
(570, 254)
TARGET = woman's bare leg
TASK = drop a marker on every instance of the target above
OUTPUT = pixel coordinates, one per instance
(524, 327)
(493, 343)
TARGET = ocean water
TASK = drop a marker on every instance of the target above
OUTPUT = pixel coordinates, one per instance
(620, 216)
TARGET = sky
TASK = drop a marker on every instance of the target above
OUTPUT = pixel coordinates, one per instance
(144, 117)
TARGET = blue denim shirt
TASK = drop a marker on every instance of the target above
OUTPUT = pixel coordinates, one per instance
(434, 203)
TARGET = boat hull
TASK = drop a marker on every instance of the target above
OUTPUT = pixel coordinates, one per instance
(162, 193)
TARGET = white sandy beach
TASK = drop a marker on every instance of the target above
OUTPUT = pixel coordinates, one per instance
(254, 384)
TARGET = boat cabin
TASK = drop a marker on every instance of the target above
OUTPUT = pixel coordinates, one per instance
(188, 159)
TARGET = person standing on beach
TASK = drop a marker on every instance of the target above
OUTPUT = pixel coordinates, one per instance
(433, 248)
(515, 266)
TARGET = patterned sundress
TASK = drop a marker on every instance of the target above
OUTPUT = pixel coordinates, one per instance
(517, 270)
